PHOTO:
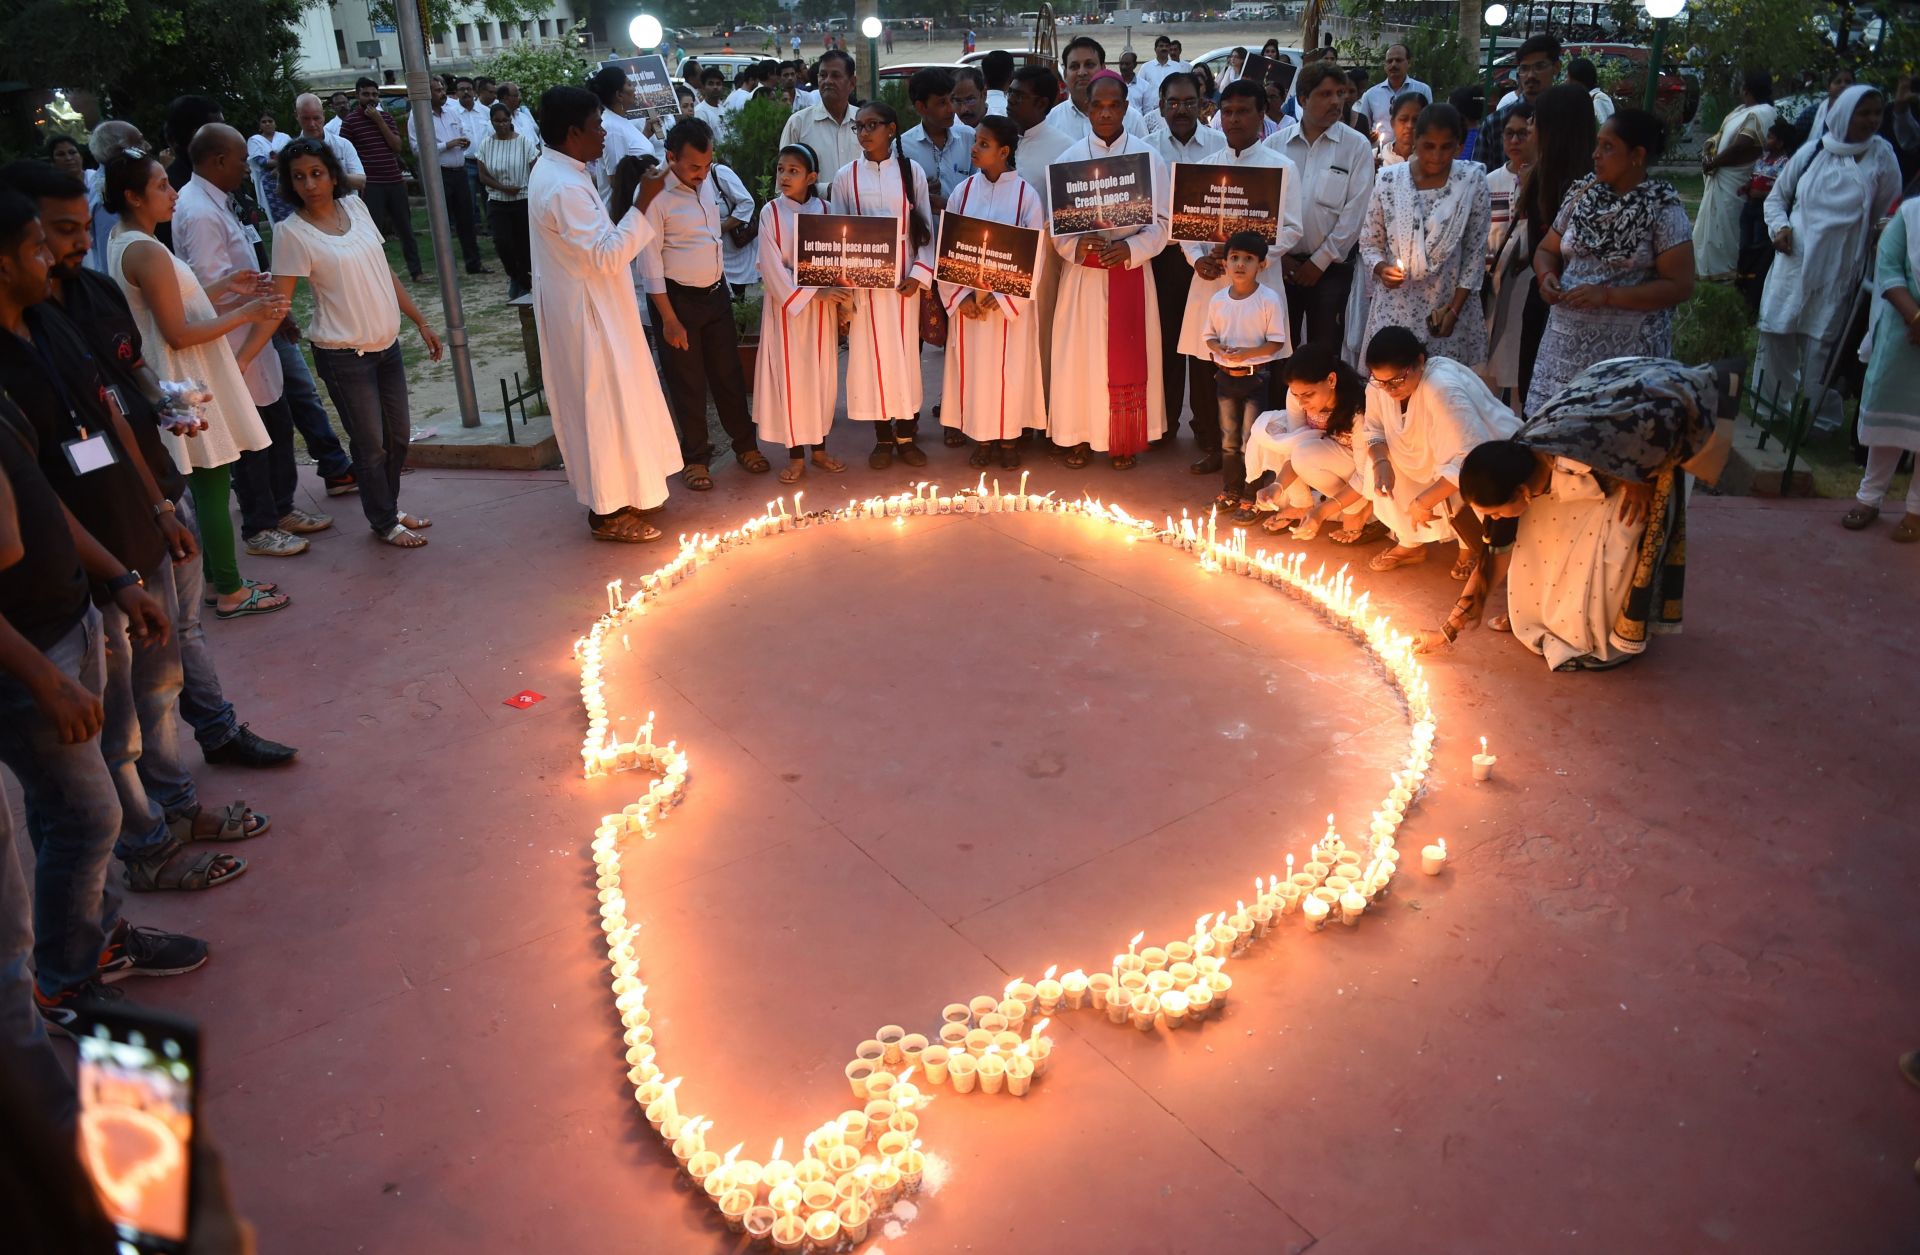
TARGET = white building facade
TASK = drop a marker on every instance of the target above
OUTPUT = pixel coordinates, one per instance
(337, 39)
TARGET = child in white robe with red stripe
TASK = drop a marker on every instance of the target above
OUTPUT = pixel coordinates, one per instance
(796, 375)
(992, 387)
(883, 344)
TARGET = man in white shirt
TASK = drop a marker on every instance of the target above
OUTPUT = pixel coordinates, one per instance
(208, 237)
(1139, 95)
(997, 69)
(1085, 58)
(308, 116)
(1336, 169)
(969, 96)
(1181, 139)
(713, 94)
(1377, 101)
(742, 92)
(614, 90)
(827, 127)
(478, 128)
(1031, 92)
(448, 146)
(1580, 70)
(1536, 68)
(509, 95)
(339, 105)
(1155, 72)
(684, 273)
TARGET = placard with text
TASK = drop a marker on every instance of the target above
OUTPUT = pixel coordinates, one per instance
(653, 92)
(845, 251)
(1210, 203)
(1100, 194)
(987, 256)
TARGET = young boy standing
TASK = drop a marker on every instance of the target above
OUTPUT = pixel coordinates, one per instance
(1246, 329)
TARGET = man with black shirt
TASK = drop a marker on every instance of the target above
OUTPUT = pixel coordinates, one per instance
(99, 309)
(90, 457)
(51, 659)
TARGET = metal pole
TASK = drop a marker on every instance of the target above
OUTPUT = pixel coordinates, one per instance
(413, 55)
(873, 69)
(1653, 62)
(1491, 35)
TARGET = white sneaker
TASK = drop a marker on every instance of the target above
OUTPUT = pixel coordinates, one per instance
(300, 522)
(274, 543)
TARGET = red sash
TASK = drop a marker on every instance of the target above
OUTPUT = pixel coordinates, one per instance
(1126, 357)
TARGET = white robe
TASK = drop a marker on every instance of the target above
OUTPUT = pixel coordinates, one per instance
(992, 389)
(1038, 149)
(1716, 229)
(883, 344)
(1193, 322)
(609, 414)
(1450, 413)
(1573, 562)
(1831, 202)
(796, 374)
(740, 261)
(1078, 410)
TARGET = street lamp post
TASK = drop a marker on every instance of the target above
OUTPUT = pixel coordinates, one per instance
(1662, 12)
(1494, 17)
(871, 29)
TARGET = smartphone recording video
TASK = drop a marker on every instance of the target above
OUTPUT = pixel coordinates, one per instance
(138, 1074)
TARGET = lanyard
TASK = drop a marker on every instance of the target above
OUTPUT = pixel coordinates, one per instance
(52, 372)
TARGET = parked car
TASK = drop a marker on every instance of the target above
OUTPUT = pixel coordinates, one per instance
(1021, 57)
(1676, 99)
(901, 71)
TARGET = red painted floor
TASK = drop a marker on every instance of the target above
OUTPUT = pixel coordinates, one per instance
(1654, 1006)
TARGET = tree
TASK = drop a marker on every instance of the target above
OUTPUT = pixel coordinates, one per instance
(534, 69)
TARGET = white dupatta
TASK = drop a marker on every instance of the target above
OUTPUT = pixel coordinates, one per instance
(1423, 239)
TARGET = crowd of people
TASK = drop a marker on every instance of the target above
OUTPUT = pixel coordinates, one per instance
(1459, 333)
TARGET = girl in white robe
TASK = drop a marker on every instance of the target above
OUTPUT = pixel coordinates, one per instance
(1820, 213)
(1089, 409)
(796, 374)
(992, 388)
(883, 344)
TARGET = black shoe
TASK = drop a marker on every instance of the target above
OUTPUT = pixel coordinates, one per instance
(341, 485)
(1009, 455)
(881, 457)
(1245, 516)
(417, 276)
(479, 270)
(982, 455)
(249, 749)
(953, 436)
(72, 1013)
(1209, 464)
(912, 454)
(135, 951)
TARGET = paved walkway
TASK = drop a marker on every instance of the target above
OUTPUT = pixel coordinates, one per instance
(1654, 1006)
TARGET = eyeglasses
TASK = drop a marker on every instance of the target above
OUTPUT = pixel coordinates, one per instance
(1179, 106)
(1538, 67)
(865, 128)
(1392, 382)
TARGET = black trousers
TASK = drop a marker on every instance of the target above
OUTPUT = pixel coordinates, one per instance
(393, 214)
(1183, 380)
(264, 479)
(512, 239)
(709, 363)
(458, 194)
(1320, 312)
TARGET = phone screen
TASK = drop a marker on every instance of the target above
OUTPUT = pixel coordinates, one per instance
(137, 1078)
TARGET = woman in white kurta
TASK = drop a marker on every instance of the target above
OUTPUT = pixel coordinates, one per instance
(1728, 164)
(1424, 415)
(609, 415)
(1423, 242)
(1390, 150)
(1820, 213)
(883, 343)
(796, 374)
(1890, 400)
(1106, 392)
(992, 391)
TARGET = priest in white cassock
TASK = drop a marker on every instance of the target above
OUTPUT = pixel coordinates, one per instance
(1243, 106)
(1030, 94)
(1424, 415)
(1105, 320)
(609, 414)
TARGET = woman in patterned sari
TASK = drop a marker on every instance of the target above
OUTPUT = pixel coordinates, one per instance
(1597, 481)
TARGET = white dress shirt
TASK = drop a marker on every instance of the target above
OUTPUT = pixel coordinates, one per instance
(1067, 119)
(332, 128)
(523, 122)
(1336, 177)
(736, 100)
(996, 101)
(1143, 97)
(1039, 148)
(833, 142)
(623, 139)
(946, 168)
(1377, 101)
(1200, 150)
(686, 243)
(447, 134)
(208, 237)
(1156, 70)
(476, 123)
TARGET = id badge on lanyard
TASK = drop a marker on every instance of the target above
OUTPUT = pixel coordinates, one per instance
(92, 451)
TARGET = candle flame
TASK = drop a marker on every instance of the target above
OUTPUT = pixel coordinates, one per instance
(1008, 991)
(1483, 745)
(672, 1085)
(1051, 969)
(1137, 939)
(1443, 845)
(779, 1143)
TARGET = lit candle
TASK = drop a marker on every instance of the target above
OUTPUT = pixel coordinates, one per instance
(1352, 905)
(1313, 909)
(1434, 857)
(1074, 988)
(1483, 762)
(1048, 991)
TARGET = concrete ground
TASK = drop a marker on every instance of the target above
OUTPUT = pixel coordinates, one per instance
(1651, 1007)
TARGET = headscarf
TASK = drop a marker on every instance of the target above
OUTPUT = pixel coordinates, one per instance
(1840, 120)
(1630, 417)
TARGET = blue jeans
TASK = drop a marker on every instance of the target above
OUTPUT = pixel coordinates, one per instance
(202, 701)
(24, 1048)
(141, 737)
(370, 391)
(331, 461)
(73, 816)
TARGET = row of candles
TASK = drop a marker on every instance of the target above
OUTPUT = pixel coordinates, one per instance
(854, 1167)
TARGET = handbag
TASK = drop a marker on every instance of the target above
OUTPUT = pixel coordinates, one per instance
(933, 320)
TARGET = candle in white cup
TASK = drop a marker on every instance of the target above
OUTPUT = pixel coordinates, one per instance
(1483, 762)
(1313, 910)
(1434, 857)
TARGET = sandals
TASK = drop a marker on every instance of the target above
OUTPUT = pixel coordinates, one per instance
(793, 470)
(1499, 621)
(622, 526)
(1125, 462)
(259, 601)
(1366, 533)
(1463, 566)
(953, 437)
(696, 477)
(411, 521)
(1245, 516)
(403, 537)
(1079, 456)
(827, 462)
(265, 586)
(1398, 557)
(1227, 501)
(1860, 517)
(1278, 523)
(1009, 455)
(233, 824)
(982, 455)
(754, 460)
(1908, 531)
(178, 868)
(911, 453)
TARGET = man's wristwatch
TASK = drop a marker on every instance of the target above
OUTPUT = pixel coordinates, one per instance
(126, 579)
(163, 507)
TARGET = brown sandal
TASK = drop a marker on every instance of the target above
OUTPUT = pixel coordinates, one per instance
(1860, 517)
(827, 462)
(754, 460)
(233, 825)
(1908, 530)
(695, 476)
(623, 526)
(178, 868)
(1388, 559)
(1079, 456)
(792, 471)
